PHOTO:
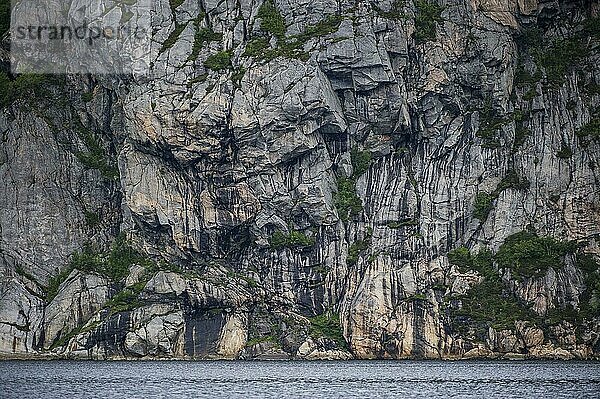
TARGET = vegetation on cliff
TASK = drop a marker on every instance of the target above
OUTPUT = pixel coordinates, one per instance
(293, 239)
(492, 303)
(528, 255)
(113, 264)
(327, 325)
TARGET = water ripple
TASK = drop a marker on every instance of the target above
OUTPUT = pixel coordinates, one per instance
(355, 379)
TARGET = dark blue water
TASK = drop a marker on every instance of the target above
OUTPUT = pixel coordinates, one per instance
(354, 379)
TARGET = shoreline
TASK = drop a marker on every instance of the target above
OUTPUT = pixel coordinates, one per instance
(505, 357)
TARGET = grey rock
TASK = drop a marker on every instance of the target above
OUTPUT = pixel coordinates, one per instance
(213, 165)
(78, 298)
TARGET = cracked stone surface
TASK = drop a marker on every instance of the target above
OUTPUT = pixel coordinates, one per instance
(212, 163)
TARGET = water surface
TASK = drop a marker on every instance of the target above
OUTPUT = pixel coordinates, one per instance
(298, 379)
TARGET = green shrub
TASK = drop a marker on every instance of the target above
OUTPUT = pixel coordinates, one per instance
(91, 218)
(25, 86)
(511, 180)
(324, 27)
(395, 11)
(521, 135)
(482, 262)
(523, 78)
(519, 116)
(560, 58)
(327, 325)
(591, 130)
(63, 339)
(461, 257)
(483, 206)
(292, 47)
(487, 304)
(96, 160)
(289, 47)
(278, 240)
(250, 282)
(237, 76)
(355, 249)
(95, 157)
(27, 83)
(175, 3)
(488, 136)
(172, 38)
(54, 283)
(489, 125)
(219, 61)
(294, 239)
(528, 255)
(592, 26)
(271, 20)
(347, 203)
(4, 16)
(23, 273)
(87, 261)
(591, 89)
(530, 94)
(417, 297)
(256, 47)
(198, 79)
(120, 258)
(491, 304)
(115, 264)
(531, 38)
(126, 300)
(126, 16)
(428, 15)
(259, 340)
(555, 59)
(202, 36)
(361, 160)
(6, 97)
(298, 239)
(590, 299)
(87, 97)
(565, 152)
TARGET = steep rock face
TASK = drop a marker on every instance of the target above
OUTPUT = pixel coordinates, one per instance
(302, 197)
(80, 296)
(21, 311)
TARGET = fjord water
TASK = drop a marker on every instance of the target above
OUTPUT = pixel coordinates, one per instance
(296, 379)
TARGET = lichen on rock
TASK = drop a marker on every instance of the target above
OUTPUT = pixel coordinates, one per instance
(333, 180)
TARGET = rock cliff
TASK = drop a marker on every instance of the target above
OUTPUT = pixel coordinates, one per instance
(323, 179)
